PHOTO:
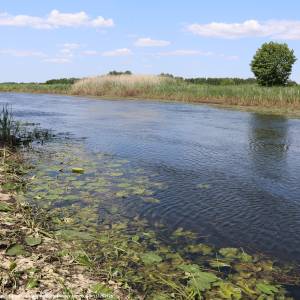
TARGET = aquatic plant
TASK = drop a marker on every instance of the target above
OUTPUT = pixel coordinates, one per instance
(15, 133)
(87, 209)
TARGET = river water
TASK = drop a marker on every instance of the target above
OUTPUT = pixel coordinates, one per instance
(233, 176)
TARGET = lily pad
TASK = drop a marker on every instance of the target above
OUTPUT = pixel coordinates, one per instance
(151, 258)
(33, 240)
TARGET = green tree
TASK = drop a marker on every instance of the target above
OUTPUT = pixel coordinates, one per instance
(272, 64)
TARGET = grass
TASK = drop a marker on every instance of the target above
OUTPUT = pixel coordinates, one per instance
(59, 88)
(249, 96)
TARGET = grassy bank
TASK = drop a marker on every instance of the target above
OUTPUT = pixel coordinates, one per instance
(35, 88)
(248, 96)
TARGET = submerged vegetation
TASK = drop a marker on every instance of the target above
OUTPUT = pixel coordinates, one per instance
(146, 261)
(67, 232)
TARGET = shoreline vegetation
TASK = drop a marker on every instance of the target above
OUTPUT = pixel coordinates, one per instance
(34, 264)
(244, 95)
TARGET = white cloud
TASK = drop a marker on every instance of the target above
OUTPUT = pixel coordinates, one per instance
(58, 60)
(90, 52)
(118, 52)
(185, 53)
(148, 42)
(22, 53)
(278, 29)
(54, 19)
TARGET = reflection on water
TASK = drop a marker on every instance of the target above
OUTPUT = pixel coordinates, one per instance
(230, 176)
(269, 144)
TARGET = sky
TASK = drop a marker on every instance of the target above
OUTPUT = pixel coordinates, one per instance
(41, 40)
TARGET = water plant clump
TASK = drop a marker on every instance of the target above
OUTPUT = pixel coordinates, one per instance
(15, 133)
(87, 210)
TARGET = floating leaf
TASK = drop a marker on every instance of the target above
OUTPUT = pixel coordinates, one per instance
(33, 240)
(199, 248)
(216, 263)
(203, 186)
(192, 269)
(151, 258)
(69, 234)
(267, 289)
(229, 252)
(202, 281)
(229, 291)
(78, 170)
(244, 257)
(16, 250)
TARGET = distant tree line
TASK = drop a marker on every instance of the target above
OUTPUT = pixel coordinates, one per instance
(62, 81)
(117, 73)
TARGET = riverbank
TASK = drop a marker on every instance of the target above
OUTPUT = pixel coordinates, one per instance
(33, 262)
(250, 97)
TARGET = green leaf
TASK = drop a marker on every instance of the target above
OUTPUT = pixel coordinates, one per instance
(33, 240)
(267, 289)
(159, 296)
(70, 235)
(78, 170)
(16, 250)
(5, 207)
(32, 283)
(202, 281)
(229, 291)
(200, 248)
(229, 252)
(244, 257)
(192, 269)
(151, 258)
(103, 291)
(216, 263)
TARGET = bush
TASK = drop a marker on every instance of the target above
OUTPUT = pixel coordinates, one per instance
(62, 81)
(272, 64)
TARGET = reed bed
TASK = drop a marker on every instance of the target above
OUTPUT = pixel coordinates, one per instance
(156, 87)
(279, 99)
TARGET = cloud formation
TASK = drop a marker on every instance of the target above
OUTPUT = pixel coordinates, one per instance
(277, 29)
(118, 52)
(55, 19)
(148, 42)
(185, 53)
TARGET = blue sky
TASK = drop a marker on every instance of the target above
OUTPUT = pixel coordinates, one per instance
(52, 39)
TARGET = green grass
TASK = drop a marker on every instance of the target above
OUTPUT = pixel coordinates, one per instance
(249, 96)
(35, 88)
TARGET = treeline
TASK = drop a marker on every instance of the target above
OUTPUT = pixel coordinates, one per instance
(62, 81)
(213, 80)
(219, 80)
